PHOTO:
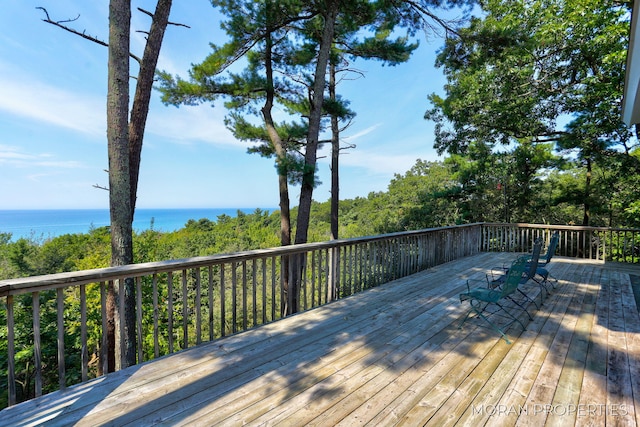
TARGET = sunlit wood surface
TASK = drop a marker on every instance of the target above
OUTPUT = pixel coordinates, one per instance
(393, 355)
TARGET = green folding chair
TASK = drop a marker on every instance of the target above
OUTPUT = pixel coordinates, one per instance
(482, 297)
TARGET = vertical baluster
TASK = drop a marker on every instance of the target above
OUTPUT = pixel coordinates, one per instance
(139, 319)
(366, 277)
(223, 286)
(185, 311)
(328, 253)
(372, 249)
(156, 313)
(325, 276)
(322, 279)
(414, 254)
(274, 298)
(341, 272)
(211, 311)
(352, 269)
(120, 362)
(264, 290)
(170, 310)
(371, 265)
(198, 307)
(333, 273)
(344, 271)
(11, 350)
(319, 276)
(626, 246)
(83, 334)
(61, 361)
(234, 298)
(284, 284)
(314, 280)
(245, 296)
(362, 266)
(338, 270)
(485, 231)
(254, 280)
(37, 348)
(388, 260)
(304, 271)
(104, 348)
(349, 271)
(405, 254)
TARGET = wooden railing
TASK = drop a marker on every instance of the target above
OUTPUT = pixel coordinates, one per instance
(182, 303)
(598, 243)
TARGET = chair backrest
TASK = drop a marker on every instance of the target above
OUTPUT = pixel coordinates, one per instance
(535, 257)
(514, 276)
(553, 244)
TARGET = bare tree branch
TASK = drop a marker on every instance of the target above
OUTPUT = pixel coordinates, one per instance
(78, 33)
(177, 24)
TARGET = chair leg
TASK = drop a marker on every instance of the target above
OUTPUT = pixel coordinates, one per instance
(493, 326)
(478, 308)
(512, 316)
(528, 298)
(521, 306)
(465, 318)
(543, 287)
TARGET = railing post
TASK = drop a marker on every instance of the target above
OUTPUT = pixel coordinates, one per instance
(11, 350)
(83, 334)
(334, 273)
(37, 350)
(104, 349)
(61, 358)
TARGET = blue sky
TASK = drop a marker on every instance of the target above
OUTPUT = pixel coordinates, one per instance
(53, 147)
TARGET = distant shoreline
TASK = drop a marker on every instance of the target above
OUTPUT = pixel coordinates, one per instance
(48, 223)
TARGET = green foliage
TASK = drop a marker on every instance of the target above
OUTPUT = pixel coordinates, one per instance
(530, 73)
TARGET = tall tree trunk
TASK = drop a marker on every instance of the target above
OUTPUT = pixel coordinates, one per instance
(335, 157)
(281, 153)
(119, 178)
(144, 86)
(281, 157)
(335, 184)
(311, 152)
(587, 195)
(315, 118)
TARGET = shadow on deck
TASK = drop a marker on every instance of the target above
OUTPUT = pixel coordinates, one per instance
(392, 355)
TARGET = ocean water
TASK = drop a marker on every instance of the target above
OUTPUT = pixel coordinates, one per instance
(43, 224)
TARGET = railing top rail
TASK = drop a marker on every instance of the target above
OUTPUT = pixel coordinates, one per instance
(558, 227)
(52, 281)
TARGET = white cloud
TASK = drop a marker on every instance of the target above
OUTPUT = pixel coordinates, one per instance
(362, 133)
(43, 103)
(12, 156)
(383, 163)
(375, 155)
(188, 124)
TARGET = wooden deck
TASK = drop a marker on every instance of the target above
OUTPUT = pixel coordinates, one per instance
(392, 355)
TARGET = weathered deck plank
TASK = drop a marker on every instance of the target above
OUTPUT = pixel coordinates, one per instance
(507, 388)
(390, 356)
